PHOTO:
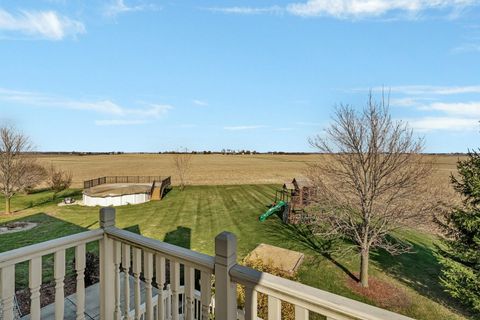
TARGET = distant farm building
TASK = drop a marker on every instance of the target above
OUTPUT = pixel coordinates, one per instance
(123, 190)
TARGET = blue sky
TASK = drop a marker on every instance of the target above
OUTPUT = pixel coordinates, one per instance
(159, 75)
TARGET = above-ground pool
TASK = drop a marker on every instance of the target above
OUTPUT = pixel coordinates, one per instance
(117, 194)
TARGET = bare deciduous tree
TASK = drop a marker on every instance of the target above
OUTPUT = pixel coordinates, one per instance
(182, 161)
(372, 180)
(18, 170)
(33, 177)
(58, 179)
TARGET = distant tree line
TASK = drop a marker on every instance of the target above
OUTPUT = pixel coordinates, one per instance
(223, 151)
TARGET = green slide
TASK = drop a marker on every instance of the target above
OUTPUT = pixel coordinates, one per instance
(280, 206)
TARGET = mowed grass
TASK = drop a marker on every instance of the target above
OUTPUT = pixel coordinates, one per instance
(214, 169)
(193, 218)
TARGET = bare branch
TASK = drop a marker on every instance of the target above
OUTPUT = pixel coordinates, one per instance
(182, 161)
(18, 170)
(372, 178)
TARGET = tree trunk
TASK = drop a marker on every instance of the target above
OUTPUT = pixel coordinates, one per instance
(364, 257)
(7, 205)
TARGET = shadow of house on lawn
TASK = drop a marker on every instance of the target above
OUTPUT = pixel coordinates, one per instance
(181, 237)
(135, 229)
(48, 228)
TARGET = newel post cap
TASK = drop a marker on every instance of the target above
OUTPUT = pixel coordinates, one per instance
(225, 244)
(107, 217)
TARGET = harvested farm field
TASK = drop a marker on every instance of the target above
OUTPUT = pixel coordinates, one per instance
(211, 169)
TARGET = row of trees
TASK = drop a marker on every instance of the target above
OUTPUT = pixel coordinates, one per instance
(374, 179)
(20, 171)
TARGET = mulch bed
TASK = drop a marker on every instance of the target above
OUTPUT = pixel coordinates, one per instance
(47, 294)
(384, 294)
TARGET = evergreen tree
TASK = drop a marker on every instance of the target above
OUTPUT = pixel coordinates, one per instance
(460, 257)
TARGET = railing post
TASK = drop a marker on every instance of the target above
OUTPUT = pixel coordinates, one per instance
(107, 267)
(225, 288)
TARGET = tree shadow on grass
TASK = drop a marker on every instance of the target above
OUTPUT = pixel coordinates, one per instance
(48, 199)
(418, 270)
(302, 238)
(38, 190)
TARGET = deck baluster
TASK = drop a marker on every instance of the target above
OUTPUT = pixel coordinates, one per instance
(148, 274)
(35, 283)
(250, 304)
(80, 251)
(126, 274)
(7, 291)
(189, 292)
(301, 313)
(168, 302)
(59, 275)
(137, 265)
(274, 308)
(117, 255)
(175, 286)
(160, 279)
(206, 294)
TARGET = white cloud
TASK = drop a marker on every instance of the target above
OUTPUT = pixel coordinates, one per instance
(441, 115)
(242, 128)
(469, 109)
(404, 102)
(107, 107)
(247, 10)
(427, 90)
(355, 9)
(371, 8)
(119, 122)
(444, 123)
(467, 47)
(200, 103)
(416, 101)
(119, 6)
(40, 24)
(152, 110)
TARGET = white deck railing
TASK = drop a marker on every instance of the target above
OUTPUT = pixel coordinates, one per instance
(128, 249)
(169, 282)
(33, 254)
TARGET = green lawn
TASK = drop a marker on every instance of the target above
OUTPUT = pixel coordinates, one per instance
(194, 217)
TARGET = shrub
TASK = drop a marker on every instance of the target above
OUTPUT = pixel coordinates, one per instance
(288, 310)
(58, 179)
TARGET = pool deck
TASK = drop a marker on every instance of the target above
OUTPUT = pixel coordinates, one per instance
(118, 189)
